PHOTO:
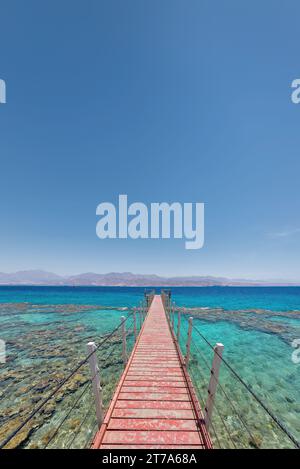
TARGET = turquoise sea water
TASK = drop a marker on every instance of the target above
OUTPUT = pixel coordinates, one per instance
(235, 298)
(46, 330)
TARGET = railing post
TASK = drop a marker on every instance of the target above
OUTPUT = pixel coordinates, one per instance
(166, 305)
(213, 383)
(134, 324)
(167, 309)
(178, 324)
(188, 342)
(173, 315)
(97, 389)
(124, 353)
(144, 311)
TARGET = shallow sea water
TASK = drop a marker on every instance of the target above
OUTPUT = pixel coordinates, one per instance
(46, 330)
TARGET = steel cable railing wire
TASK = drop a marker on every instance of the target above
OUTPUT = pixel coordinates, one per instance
(230, 402)
(60, 385)
(81, 425)
(227, 397)
(280, 424)
(129, 332)
(203, 405)
(216, 407)
(91, 432)
(216, 435)
(218, 412)
(67, 415)
(223, 391)
(76, 401)
(202, 401)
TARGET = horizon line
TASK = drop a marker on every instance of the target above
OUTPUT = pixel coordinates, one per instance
(57, 279)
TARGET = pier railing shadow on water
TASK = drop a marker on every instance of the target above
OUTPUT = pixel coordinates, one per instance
(236, 415)
(66, 417)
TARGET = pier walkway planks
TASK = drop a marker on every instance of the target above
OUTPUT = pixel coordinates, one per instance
(154, 405)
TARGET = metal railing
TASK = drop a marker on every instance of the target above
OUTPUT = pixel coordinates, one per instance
(82, 397)
(222, 408)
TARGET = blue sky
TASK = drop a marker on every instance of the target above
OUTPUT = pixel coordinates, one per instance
(163, 101)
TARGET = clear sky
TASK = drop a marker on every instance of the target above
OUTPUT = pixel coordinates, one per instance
(161, 100)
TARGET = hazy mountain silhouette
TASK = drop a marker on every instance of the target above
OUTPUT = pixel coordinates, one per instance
(40, 277)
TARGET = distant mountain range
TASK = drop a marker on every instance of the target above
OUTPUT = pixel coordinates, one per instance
(40, 277)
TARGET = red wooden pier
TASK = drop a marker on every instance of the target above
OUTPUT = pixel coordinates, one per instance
(154, 405)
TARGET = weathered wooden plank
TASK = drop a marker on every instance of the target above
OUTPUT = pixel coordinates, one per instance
(154, 413)
(151, 437)
(155, 383)
(155, 376)
(158, 374)
(154, 396)
(150, 424)
(156, 367)
(154, 388)
(135, 404)
(156, 361)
